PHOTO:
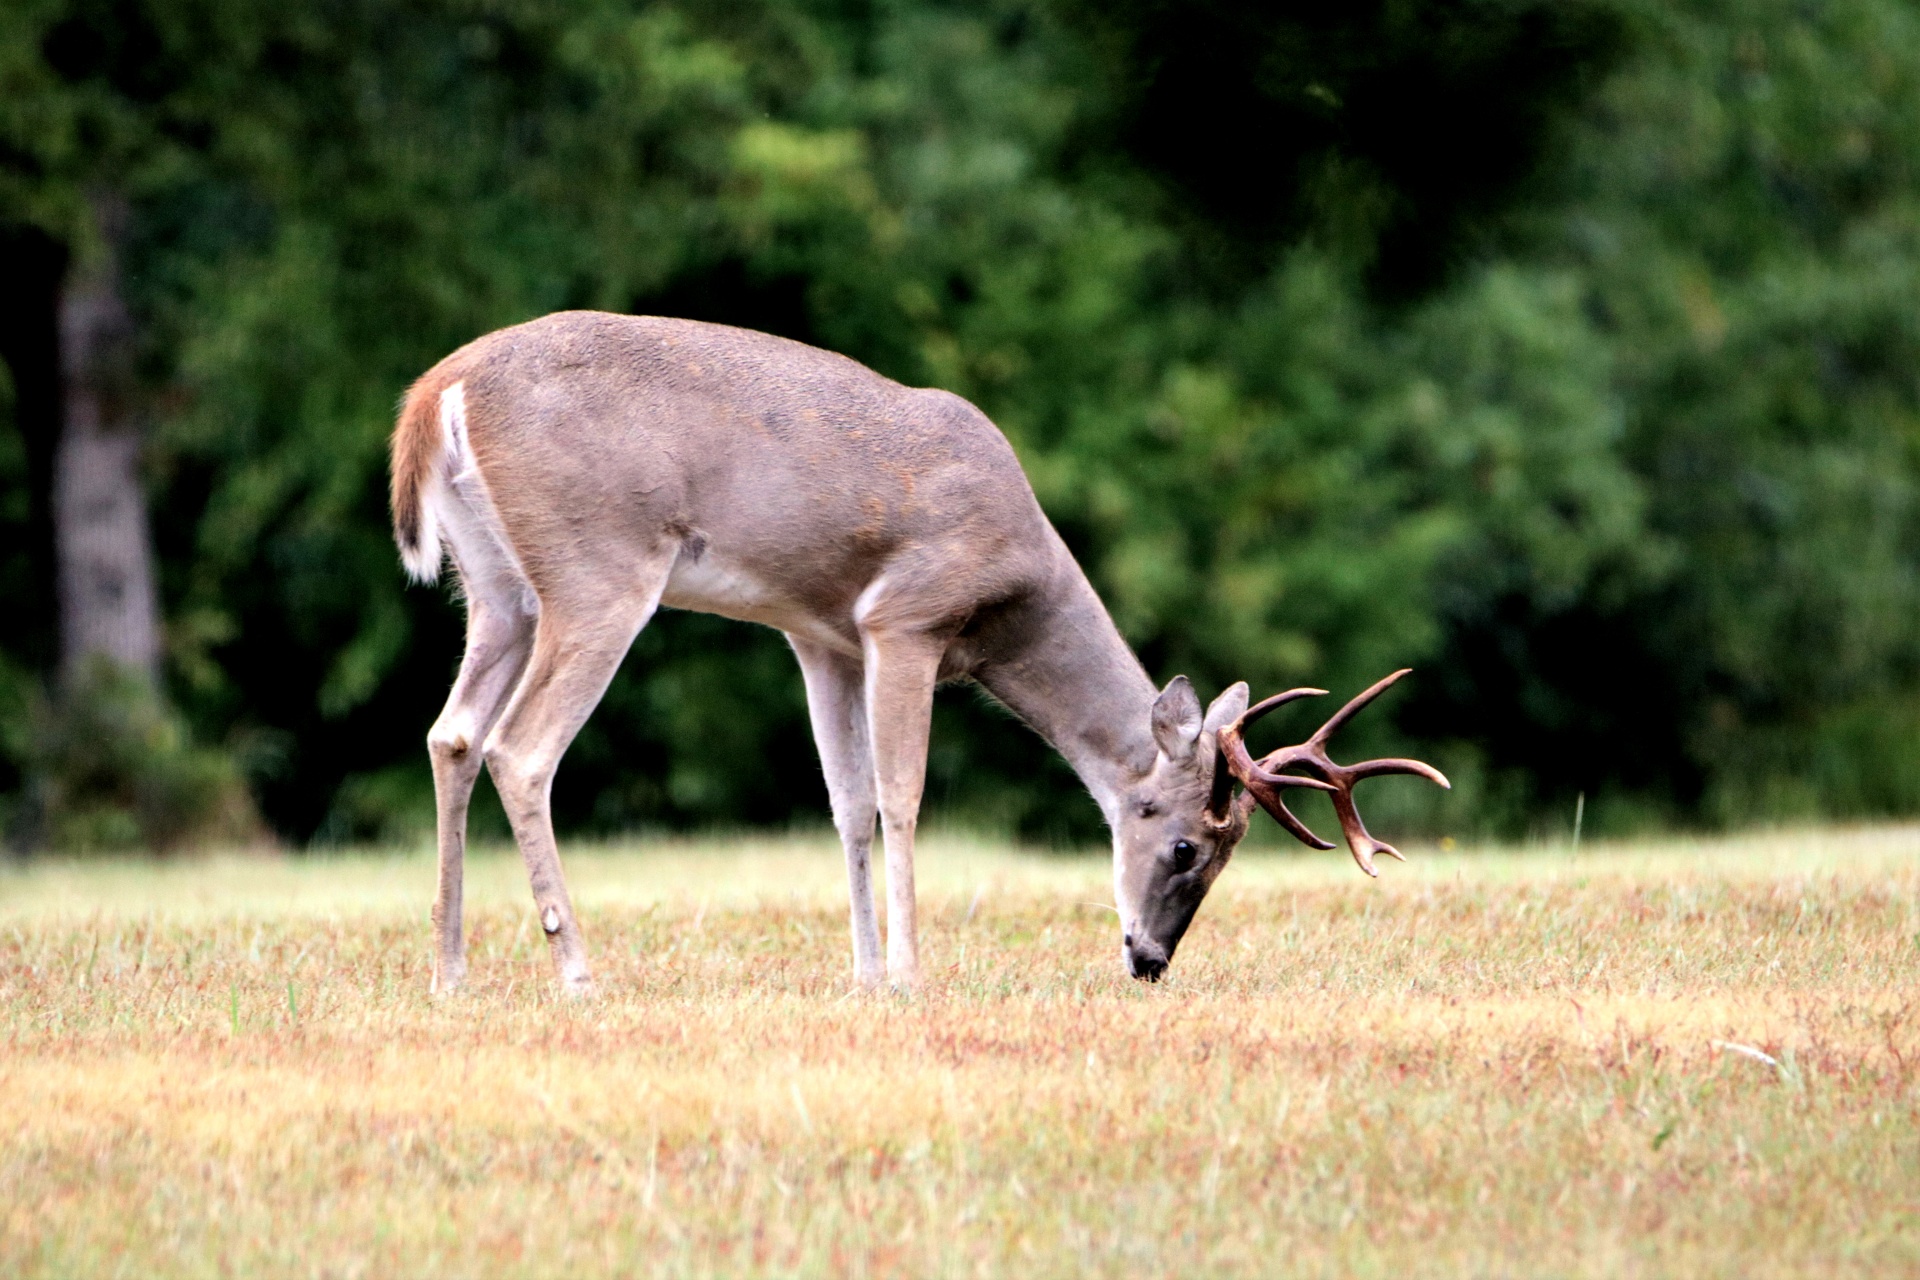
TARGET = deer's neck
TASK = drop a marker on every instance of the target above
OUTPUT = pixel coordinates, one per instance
(1077, 684)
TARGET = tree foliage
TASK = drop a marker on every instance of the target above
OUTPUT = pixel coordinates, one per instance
(1564, 351)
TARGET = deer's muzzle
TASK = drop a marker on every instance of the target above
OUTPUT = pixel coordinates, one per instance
(1146, 959)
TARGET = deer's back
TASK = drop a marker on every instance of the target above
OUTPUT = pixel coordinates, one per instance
(790, 477)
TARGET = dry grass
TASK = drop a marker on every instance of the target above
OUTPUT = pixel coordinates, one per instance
(1487, 1063)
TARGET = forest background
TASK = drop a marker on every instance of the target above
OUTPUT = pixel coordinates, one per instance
(1565, 350)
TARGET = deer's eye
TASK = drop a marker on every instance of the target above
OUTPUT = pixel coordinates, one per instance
(1183, 854)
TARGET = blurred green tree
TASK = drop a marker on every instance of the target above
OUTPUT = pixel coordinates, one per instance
(1563, 349)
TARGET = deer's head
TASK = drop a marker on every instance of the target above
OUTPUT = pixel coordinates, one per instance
(1179, 825)
(1174, 835)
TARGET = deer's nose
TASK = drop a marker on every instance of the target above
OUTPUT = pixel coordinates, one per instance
(1146, 959)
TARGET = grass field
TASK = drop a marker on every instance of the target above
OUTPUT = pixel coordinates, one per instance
(1683, 1059)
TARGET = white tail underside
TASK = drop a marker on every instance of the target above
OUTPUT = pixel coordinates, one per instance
(457, 515)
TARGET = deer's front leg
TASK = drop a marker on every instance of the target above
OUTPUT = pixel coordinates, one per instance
(837, 704)
(901, 670)
(498, 640)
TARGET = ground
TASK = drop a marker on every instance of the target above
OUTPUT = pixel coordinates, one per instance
(1680, 1059)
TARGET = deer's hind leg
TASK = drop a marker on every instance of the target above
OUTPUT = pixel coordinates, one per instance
(582, 634)
(499, 638)
(837, 704)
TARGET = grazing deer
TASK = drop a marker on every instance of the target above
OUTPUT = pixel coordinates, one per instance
(584, 469)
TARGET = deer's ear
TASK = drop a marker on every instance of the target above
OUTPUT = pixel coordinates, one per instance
(1176, 719)
(1227, 708)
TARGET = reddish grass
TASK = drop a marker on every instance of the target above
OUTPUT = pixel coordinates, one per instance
(1514, 1063)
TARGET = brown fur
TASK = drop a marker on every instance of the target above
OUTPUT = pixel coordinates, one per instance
(615, 463)
(413, 453)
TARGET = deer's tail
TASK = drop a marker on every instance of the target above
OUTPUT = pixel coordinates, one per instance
(422, 442)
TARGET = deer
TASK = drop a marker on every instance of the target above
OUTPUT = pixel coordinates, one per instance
(582, 470)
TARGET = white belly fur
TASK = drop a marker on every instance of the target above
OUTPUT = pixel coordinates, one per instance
(709, 584)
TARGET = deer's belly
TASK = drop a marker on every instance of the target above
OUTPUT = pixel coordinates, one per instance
(709, 584)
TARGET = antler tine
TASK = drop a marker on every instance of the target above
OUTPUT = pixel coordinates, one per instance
(1278, 700)
(1381, 768)
(1362, 842)
(1355, 705)
(1359, 840)
(1270, 800)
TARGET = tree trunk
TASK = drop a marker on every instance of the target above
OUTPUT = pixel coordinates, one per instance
(108, 606)
(33, 264)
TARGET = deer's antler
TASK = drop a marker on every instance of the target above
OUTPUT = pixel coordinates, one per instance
(1264, 779)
